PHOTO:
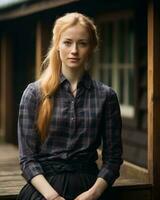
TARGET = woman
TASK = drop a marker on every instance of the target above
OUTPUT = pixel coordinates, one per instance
(63, 118)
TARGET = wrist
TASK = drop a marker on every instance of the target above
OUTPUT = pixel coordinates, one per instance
(98, 188)
(94, 193)
(52, 196)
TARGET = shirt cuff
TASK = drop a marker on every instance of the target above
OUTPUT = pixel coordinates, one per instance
(108, 175)
(31, 171)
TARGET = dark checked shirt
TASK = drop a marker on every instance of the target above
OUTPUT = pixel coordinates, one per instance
(78, 127)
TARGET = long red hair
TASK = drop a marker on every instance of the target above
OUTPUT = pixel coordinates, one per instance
(50, 77)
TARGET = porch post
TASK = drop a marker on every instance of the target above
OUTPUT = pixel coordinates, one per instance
(6, 89)
(42, 44)
(154, 98)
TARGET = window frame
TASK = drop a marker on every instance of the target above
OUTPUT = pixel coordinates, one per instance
(129, 121)
(129, 169)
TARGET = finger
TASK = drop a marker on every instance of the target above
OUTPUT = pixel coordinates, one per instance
(60, 198)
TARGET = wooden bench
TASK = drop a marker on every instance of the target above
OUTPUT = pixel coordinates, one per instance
(11, 181)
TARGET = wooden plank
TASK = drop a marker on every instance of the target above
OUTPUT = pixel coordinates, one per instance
(132, 193)
(38, 50)
(11, 180)
(154, 98)
(10, 197)
(135, 172)
(33, 8)
(131, 173)
(42, 44)
(6, 88)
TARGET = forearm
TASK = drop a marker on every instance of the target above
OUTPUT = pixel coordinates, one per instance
(42, 185)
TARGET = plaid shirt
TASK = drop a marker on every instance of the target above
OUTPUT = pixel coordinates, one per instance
(78, 125)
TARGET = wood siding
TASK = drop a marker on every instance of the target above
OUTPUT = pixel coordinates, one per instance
(141, 135)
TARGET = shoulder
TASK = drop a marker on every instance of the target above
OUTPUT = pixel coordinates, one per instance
(103, 89)
(31, 92)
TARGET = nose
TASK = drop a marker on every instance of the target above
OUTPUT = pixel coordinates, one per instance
(74, 48)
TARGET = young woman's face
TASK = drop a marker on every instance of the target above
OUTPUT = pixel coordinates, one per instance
(74, 47)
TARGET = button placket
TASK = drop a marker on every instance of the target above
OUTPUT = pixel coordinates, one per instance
(72, 110)
(72, 123)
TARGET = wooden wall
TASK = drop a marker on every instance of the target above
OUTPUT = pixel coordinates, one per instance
(148, 108)
(135, 130)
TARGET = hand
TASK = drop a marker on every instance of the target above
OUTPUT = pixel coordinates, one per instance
(59, 198)
(88, 195)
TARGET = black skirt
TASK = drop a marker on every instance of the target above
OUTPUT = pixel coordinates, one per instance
(68, 183)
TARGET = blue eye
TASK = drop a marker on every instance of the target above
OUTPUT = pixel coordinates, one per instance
(83, 44)
(67, 43)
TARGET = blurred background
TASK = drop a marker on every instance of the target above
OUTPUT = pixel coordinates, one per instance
(120, 61)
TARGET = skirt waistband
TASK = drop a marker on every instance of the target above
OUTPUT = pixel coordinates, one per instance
(60, 167)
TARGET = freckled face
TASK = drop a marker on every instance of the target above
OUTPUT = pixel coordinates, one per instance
(74, 47)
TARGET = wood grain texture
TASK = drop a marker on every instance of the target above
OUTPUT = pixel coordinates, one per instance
(33, 8)
(154, 98)
(11, 180)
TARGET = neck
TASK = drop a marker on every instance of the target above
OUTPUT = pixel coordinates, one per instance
(73, 75)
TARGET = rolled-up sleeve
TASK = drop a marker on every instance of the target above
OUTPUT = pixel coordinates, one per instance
(28, 138)
(111, 135)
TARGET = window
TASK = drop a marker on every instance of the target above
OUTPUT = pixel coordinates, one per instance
(120, 62)
(116, 58)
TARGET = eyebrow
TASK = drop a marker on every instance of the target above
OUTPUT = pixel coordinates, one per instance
(83, 39)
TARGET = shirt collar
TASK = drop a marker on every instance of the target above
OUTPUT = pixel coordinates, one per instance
(86, 80)
(62, 78)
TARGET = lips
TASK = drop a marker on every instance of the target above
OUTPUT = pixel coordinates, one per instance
(74, 60)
